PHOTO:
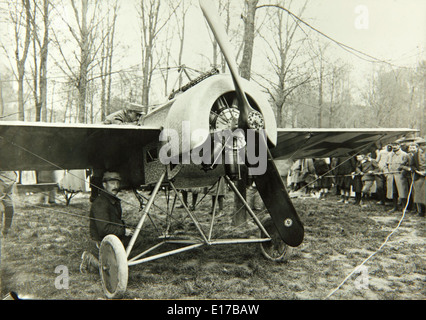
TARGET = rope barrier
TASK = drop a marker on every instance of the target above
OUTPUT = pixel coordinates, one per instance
(348, 159)
(379, 249)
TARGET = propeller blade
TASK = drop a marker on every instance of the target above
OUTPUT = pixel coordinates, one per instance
(213, 19)
(276, 199)
(270, 185)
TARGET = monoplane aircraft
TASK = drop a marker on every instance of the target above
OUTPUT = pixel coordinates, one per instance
(183, 131)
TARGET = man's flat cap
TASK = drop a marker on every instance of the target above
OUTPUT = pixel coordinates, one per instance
(108, 176)
(135, 107)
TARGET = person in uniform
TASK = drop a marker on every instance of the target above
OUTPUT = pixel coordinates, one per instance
(397, 186)
(412, 149)
(324, 182)
(419, 168)
(295, 175)
(344, 166)
(131, 114)
(308, 176)
(357, 179)
(7, 182)
(220, 188)
(47, 176)
(106, 218)
(381, 161)
(367, 169)
(185, 193)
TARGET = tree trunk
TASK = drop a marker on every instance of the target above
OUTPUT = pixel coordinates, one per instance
(149, 20)
(423, 115)
(241, 216)
(331, 109)
(43, 62)
(36, 75)
(245, 66)
(20, 62)
(40, 72)
(279, 107)
(21, 110)
(84, 63)
(110, 55)
(320, 96)
(146, 76)
(1, 99)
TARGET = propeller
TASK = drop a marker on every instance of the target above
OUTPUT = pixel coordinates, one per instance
(270, 185)
(213, 19)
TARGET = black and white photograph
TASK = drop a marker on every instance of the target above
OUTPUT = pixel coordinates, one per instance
(231, 152)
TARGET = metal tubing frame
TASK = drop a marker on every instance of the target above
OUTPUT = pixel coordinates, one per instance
(191, 246)
(197, 224)
(165, 254)
(214, 208)
(146, 251)
(194, 243)
(253, 215)
(144, 214)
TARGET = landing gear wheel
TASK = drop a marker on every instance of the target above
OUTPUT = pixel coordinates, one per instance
(276, 249)
(113, 267)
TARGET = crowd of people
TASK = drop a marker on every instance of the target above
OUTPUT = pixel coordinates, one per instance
(393, 173)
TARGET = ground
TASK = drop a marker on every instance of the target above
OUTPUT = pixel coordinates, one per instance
(45, 242)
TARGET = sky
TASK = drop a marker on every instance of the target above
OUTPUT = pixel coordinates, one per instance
(393, 30)
(390, 30)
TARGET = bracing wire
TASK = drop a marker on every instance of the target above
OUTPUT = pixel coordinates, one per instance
(357, 268)
(359, 54)
(77, 177)
(57, 166)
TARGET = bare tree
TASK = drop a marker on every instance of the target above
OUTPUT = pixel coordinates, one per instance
(181, 33)
(248, 39)
(20, 15)
(7, 94)
(40, 49)
(224, 7)
(105, 63)
(338, 90)
(85, 32)
(383, 97)
(395, 97)
(283, 50)
(240, 214)
(421, 78)
(151, 24)
(1, 98)
(85, 41)
(319, 63)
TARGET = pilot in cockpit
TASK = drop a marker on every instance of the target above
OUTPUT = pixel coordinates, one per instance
(131, 114)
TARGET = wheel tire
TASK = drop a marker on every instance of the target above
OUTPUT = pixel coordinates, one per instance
(113, 267)
(276, 249)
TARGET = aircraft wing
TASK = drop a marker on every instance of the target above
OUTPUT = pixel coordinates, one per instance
(324, 143)
(58, 146)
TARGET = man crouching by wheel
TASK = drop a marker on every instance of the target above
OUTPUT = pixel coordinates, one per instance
(105, 219)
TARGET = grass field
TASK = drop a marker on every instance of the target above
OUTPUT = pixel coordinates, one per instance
(338, 238)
